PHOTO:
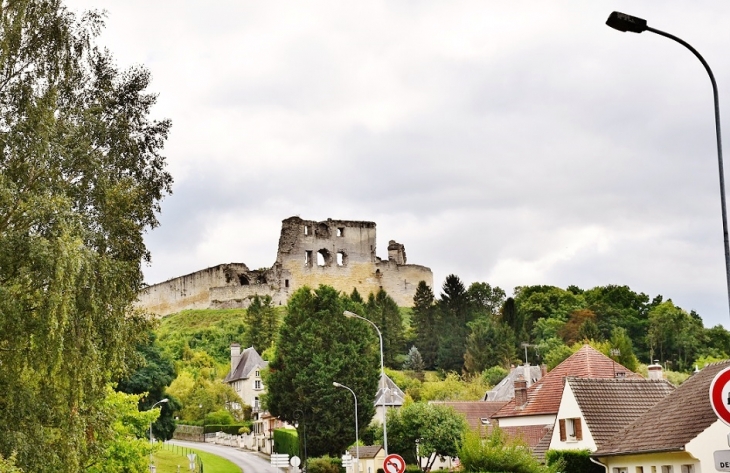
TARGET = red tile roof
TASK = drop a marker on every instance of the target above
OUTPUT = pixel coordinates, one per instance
(530, 434)
(474, 411)
(544, 396)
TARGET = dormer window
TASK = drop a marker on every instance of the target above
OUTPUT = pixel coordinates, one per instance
(258, 373)
(257, 384)
(570, 430)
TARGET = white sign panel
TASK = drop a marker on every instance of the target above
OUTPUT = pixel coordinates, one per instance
(722, 460)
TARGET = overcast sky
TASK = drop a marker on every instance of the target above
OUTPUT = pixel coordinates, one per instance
(517, 143)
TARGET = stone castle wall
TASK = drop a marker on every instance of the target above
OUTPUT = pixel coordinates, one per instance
(339, 253)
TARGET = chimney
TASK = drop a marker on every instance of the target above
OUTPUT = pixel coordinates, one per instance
(520, 392)
(235, 356)
(527, 374)
(655, 371)
(543, 370)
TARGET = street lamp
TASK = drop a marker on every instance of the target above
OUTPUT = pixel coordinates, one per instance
(297, 415)
(201, 409)
(357, 439)
(349, 314)
(161, 401)
(624, 22)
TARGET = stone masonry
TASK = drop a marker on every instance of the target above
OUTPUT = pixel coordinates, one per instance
(339, 253)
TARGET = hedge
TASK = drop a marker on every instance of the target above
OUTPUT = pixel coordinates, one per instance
(574, 461)
(228, 429)
(286, 441)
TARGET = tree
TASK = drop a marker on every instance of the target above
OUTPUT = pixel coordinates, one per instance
(485, 299)
(383, 311)
(621, 341)
(436, 430)
(454, 315)
(261, 322)
(498, 452)
(81, 180)
(424, 324)
(414, 362)
(318, 346)
(489, 343)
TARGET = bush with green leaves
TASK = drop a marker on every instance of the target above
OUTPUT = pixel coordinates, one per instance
(573, 461)
(499, 453)
(325, 464)
(286, 441)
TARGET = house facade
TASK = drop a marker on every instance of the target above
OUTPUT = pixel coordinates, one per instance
(594, 410)
(678, 435)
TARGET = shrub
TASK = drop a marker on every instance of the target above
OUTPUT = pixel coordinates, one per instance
(232, 429)
(286, 441)
(498, 453)
(324, 464)
(573, 461)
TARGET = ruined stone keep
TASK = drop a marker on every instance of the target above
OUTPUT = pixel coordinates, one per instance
(339, 253)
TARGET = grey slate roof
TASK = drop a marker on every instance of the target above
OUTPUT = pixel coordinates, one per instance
(394, 396)
(250, 359)
(505, 389)
(672, 422)
(609, 405)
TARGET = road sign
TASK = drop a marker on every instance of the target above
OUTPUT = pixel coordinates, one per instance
(280, 460)
(295, 461)
(722, 460)
(720, 395)
(346, 460)
(394, 463)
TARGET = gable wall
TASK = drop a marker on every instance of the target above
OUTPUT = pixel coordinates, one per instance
(569, 409)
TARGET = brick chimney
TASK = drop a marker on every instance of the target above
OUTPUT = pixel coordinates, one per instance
(235, 355)
(520, 392)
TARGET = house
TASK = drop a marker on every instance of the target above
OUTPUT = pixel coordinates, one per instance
(371, 458)
(678, 435)
(389, 394)
(505, 389)
(478, 414)
(245, 375)
(532, 412)
(594, 410)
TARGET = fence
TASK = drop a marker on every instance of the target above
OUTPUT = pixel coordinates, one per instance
(180, 450)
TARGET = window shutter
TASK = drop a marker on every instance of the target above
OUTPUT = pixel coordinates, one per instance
(578, 429)
(562, 430)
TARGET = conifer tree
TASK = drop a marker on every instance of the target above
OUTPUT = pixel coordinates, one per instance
(424, 324)
(383, 311)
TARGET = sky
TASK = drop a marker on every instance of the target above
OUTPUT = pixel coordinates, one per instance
(514, 143)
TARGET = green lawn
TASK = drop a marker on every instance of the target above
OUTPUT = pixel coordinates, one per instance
(170, 456)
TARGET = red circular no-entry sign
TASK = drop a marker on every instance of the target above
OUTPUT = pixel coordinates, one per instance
(720, 395)
(394, 463)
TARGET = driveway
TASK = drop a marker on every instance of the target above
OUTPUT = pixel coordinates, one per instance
(248, 461)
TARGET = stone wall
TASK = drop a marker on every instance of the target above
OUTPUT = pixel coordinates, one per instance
(339, 253)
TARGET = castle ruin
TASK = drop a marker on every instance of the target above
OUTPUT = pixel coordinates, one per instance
(339, 253)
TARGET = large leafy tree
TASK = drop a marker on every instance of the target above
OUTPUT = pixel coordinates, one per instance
(425, 430)
(261, 323)
(81, 179)
(318, 346)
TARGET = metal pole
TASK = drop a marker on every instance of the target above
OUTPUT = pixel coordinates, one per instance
(719, 148)
(357, 439)
(347, 313)
(151, 444)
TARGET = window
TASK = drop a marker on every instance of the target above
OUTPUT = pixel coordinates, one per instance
(257, 384)
(570, 430)
(653, 469)
(688, 469)
(324, 258)
(256, 403)
(667, 469)
(258, 374)
(622, 469)
(308, 258)
(639, 469)
(307, 229)
(341, 258)
(286, 283)
(340, 231)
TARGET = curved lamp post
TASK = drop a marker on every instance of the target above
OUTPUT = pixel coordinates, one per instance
(624, 22)
(357, 439)
(353, 315)
(299, 414)
(161, 401)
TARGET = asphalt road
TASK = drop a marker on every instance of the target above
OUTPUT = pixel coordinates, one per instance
(248, 461)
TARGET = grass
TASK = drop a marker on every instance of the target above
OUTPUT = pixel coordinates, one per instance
(170, 456)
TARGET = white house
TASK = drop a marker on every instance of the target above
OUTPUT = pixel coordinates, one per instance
(678, 435)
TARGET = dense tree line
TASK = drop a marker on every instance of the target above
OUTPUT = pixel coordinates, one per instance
(471, 329)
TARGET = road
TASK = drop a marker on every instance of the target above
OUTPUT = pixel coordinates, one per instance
(250, 462)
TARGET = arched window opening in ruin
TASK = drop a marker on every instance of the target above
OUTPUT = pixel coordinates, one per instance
(308, 258)
(324, 258)
(307, 229)
(341, 258)
(322, 231)
(340, 231)
(243, 280)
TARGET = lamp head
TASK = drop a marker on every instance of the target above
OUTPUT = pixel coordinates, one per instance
(165, 400)
(623, 22)
(349, 314)
(336, 384)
